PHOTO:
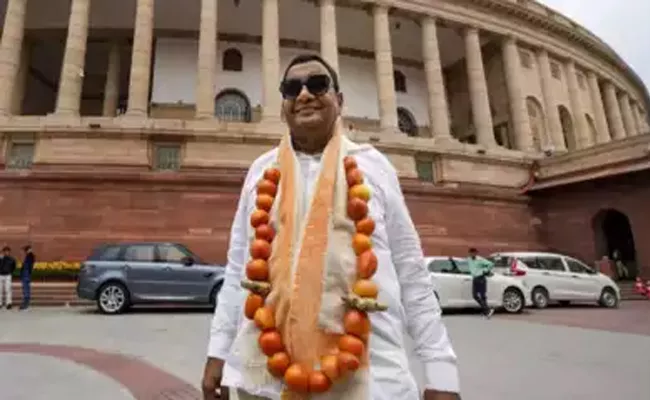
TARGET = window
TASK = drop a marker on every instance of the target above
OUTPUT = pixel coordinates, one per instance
(231, 105)
(424, 169)
(449, 266)
(20, 156)
(576, 266)
(440, 266)
(581, 81)
(171, 253)
(555, 70)
(406, 122)
(111, 253)
(140, 253)
(167, 157)
(232, 60)
(531, 262)
(400, 81)
(551, 263)
(525, 59)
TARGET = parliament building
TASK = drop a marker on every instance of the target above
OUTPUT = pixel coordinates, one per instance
(511, 126)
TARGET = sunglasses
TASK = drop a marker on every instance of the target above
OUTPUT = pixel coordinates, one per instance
(317, 85)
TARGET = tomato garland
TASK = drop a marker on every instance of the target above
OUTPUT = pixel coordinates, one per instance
(351, 345)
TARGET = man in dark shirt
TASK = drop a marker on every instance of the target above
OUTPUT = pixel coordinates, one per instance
(26, 275)
(7, 268)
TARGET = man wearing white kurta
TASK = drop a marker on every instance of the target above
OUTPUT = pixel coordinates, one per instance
(405, 284)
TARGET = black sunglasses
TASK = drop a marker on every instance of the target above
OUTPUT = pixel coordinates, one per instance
(317, 85)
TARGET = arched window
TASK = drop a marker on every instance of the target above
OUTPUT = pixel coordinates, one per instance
(567, 128)
(406, 122)
(400, 81)
(592, 128)
(232, 105)
(232, 60)
(537, 122)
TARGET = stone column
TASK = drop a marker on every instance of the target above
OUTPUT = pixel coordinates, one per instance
(583, 137)
(518, 110)
(628, 118)
(438, 109)
(328, 37)
(613, 112)
(598, 109)
(11, 46)
(481, 115)
(552, 114)
(68, 99)
(141, 59)
(207, 60)
(384, 70)
(112, 86)
(21, 80)
(271, 99)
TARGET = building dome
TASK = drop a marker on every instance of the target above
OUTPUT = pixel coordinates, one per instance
(136, 119)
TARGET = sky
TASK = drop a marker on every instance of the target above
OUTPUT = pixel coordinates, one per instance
(622, 24)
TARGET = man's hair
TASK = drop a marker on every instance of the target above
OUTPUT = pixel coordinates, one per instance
(6, 248)
(305, 58)
(27, 247)
(473, 250)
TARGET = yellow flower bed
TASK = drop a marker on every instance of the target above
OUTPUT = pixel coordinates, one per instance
(53, 270)
(57, 266)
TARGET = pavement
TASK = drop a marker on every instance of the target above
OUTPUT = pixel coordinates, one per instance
(152, 354)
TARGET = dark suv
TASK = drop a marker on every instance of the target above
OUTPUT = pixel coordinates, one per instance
(117, 276)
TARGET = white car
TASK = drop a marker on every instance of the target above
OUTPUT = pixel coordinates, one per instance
(556, 277)
(453, 286)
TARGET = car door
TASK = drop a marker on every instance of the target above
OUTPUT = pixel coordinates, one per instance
(447, 282)
(464, 279)
(186, 281)
(556, 277)
(146, 277)
(585, 285)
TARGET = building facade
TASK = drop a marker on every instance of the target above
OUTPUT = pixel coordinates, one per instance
(511, 126)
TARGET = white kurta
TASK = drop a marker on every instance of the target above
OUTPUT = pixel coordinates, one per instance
(405, 286)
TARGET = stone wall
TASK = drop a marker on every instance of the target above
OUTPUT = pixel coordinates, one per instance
(65, 215)
(569, 215)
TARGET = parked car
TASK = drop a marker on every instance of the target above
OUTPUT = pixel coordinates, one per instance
(117, 276)
(453, 286)
(556, 277)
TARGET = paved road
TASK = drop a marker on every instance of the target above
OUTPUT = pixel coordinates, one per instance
(159, 354)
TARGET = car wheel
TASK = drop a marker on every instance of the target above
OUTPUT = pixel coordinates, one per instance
(113, 298)
(214, 294)
(540, 297)
(513, 301)
(608, 298)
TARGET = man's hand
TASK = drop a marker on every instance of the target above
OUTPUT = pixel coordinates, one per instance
(212, 379)
(435, 395)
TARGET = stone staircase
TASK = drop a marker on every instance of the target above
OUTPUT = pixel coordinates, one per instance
(628, 293)
(52, 294)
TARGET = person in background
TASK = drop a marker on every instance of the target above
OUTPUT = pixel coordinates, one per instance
(480, 269)
(7, 268)
(26, 276)
(621, 269)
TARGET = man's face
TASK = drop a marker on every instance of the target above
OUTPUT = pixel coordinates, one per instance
(316, 104)
(472, 254)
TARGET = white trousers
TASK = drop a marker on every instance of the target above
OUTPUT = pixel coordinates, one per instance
(5, 289)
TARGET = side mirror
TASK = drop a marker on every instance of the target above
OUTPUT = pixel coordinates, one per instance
(188, 261)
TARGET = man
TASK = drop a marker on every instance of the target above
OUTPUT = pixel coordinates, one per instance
(312, 107)
(7, 268)
(26, 275)
(480, 269)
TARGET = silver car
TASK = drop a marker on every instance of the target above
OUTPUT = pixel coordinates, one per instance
(117, 276)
